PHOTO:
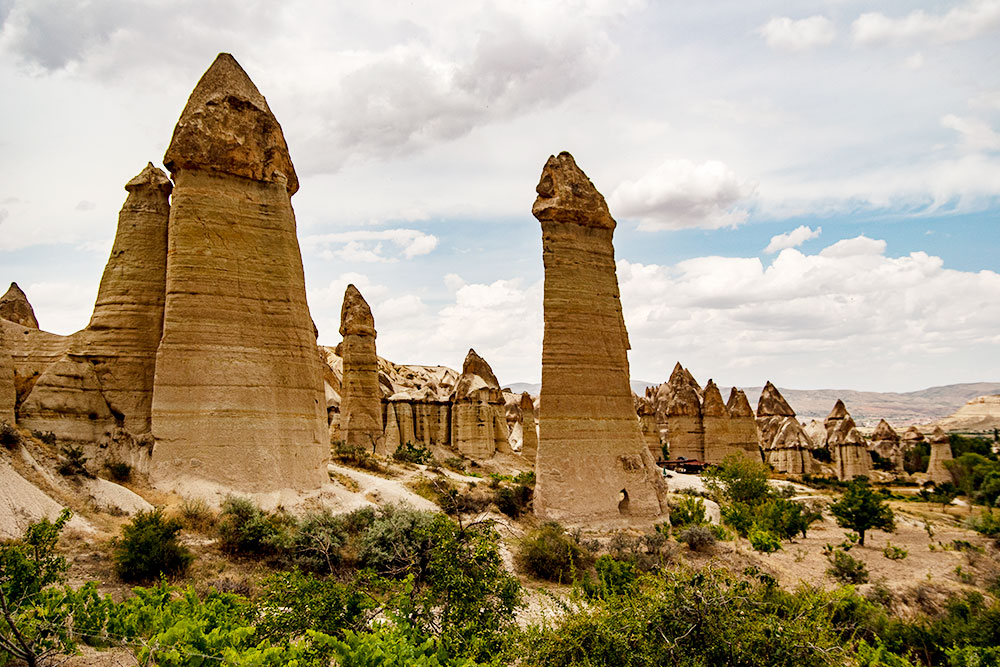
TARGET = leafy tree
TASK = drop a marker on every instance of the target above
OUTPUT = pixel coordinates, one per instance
(861, 509)
(549, 553)
(686, 511)
(293, 602)
(32, 626)
(739, 480)
(148, 548)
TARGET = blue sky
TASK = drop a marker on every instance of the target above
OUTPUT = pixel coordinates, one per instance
(807, 192)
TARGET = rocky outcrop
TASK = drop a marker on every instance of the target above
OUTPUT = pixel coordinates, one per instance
(682, 417)
(361, 394)
(980, 414)
(718, 424)
(648, 425)
(940, 452)
(847, 447)
(478, 416)
(785, 445)
(8, 395)
(124, 331)
(14, 307)
(886, 443)
(529, 441)
(592, 462)
(237, 397)
(743, 426)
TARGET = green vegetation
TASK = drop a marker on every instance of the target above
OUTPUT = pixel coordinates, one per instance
(410, 453)
(549, 553)
(861, 509)
(149, 549)
(74, 462)
(118, 471)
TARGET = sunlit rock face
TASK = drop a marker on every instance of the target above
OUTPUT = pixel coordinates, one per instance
(361, 401)
(847, 447)
(592, 461)
(238, 392)
(14, 307)
(940, 452)
(785, 444)
(478, 415)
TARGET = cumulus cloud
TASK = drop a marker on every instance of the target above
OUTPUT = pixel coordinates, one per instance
(977, 135)
(432, 72)
(849, 304)
(792, 239)
(957, 24)
(371, 245)
(791, 35)
(680, 194)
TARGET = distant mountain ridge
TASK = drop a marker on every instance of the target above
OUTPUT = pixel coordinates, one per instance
(867, 407)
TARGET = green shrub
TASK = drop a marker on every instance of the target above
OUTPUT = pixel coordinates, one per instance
(697, 537)
(47, 437)
(197, 514)
(894, 553)
(247, 530)
(763, 540)
(410, 453)
(844, 567)
(356, 457)
(513, 501)
(292, 602)
(614, 578)
(549, 553)
(318, 540)
(74, 462)
(454, 463)
(686, 511)
(987, 523)
(739, 480)
(148, 548)
(118, 471)
(9, 437)
(398, 542)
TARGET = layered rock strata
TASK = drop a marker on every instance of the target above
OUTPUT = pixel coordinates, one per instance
(847, 446)
(478, 417)
(361, 394)
(125, 328)
(14, 307)
(529, 442)
(592, 462)
(237, 397)
(8, 395)
(743, 426)
(886, 443)
(940, 452)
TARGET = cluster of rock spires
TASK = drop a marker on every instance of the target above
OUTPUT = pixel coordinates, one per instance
(200, 364)
(694, 422)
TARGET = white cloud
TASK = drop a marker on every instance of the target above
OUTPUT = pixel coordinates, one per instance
(977, 135)
(850, 305)
(914, 61)
(791, 35)
(957, 24)
(680, 194)
(792, 239)
(368, 246)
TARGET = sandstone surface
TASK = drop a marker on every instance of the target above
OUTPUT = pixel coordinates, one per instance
(8, 395)
(886, 443)
(14, 307)
(529, 445)
(361, 395)
(478, 415)
(786, 446)
(592, 463)
(981, 414)
(743, 426)
(940, 452)
(238, 393)
(847, 447)
(124, 331)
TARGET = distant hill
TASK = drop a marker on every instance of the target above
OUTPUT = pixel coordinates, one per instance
(867, 407)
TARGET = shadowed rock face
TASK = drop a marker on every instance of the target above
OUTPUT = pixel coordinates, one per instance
(773, 404)
(238, 395)
(14, 307)
(529, 443)
(361, 397)
(886, 443)
(592, 462)
(127, 323)
(885, 432)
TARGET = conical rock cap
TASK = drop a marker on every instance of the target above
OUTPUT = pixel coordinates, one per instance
(565, 194)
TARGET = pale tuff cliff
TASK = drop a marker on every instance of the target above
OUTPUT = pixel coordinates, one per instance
(592, 462)
(940, 452)
(361, 394)
(847, 447)
(785, 444)
(478, 417)
(14, 307)
(237, 398)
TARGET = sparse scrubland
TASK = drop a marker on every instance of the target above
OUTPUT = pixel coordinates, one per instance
(785, 578)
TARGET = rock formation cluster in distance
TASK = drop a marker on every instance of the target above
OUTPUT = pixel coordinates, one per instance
(592, 462)
(785, 444)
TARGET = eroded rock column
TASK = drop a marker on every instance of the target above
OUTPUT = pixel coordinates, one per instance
(592, 462)
(361, 395)
(238, 396)
(478, 417)
(8, 395)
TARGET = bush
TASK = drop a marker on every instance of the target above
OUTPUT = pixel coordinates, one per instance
(356, 457)
(293, 602)
(247, 530)
(614, 578)
(739, 480)
(549, 553)
(118, 471)
(686, 511)
(9, 437)
(763, 540)
(47, 437)
(454, 463)
(148, 548)
(410, 453)
(513, 501)
(894, 553)
(318, 540)
(398, 542)
(987, 523)
(845, 568)
(697, 537)
(197, 514)
(74, 462)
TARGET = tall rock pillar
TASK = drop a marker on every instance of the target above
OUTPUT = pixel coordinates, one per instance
(7, 392)
(125, 329)
(238, 396)
(529, 443)
(940, 452)
(361, 396)
(592, 461)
